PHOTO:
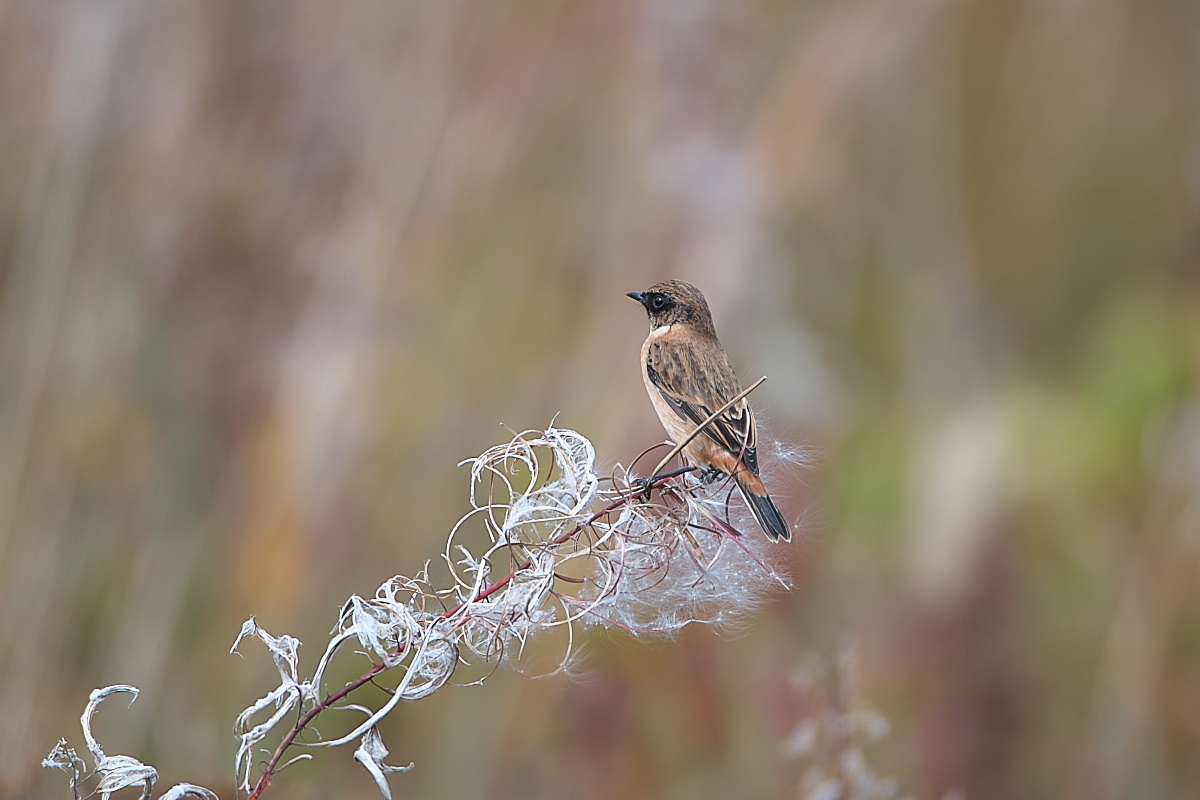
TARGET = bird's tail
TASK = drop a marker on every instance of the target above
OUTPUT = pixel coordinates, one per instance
(768, 516)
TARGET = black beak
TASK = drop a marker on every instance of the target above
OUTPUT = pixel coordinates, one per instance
(636, 296)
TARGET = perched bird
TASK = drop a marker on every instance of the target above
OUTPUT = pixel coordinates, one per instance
(688, 377)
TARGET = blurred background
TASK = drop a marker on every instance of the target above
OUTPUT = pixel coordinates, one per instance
(269, 270)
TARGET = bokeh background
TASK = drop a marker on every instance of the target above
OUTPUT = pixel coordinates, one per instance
(269, 270)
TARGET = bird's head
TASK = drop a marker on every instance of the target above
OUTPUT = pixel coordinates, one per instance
(675, 303)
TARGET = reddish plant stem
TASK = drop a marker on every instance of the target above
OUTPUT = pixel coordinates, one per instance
(270, 770)
(303, 722)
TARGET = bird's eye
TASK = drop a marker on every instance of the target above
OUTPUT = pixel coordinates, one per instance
(659, 301)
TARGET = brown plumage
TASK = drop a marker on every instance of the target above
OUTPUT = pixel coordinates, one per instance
(688, 377)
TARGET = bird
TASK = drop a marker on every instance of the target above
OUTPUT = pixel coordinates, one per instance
(688, 376)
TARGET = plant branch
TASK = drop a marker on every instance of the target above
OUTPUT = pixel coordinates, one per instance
(306, 719)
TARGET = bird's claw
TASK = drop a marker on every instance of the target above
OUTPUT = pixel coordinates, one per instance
(646, 485)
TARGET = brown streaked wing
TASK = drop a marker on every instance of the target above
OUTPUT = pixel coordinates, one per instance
(695, 386)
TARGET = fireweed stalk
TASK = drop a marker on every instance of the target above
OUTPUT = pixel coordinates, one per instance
(562, 547)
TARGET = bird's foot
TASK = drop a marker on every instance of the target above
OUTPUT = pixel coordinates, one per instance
(647, 484)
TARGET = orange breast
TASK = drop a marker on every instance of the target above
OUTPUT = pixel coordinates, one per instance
(701, 451)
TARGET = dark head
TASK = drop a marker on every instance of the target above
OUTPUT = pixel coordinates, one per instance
(674, 303)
